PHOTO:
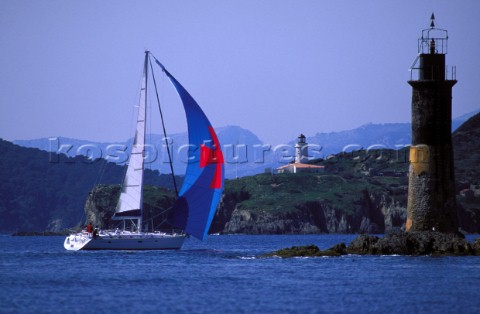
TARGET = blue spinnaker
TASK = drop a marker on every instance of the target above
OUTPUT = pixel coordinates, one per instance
(203, 184)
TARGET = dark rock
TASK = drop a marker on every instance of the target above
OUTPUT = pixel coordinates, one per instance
(308, 251)
(392, 244)
(395, 243)
(363, 244)
(436, 243)
(411, 243)
(297, 251)
(337, 249)
(476, 247)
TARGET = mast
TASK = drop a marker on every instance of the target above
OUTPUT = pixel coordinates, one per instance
(144, 94)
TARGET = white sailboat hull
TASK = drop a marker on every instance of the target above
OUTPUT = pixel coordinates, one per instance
(124, 241)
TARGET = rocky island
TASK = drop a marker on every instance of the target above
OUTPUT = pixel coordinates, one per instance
(414, 243)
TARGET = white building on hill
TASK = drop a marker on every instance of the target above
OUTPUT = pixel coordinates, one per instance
(301, 157)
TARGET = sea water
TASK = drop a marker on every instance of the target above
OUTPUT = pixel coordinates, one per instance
(225, 275)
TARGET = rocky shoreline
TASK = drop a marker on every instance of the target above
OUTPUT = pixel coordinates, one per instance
(397, 243)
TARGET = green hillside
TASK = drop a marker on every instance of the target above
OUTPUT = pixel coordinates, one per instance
(37, 194)
(342, 184)
(354, 193)
(466, 145)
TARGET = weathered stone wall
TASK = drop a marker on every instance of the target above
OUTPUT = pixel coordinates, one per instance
(431, 193)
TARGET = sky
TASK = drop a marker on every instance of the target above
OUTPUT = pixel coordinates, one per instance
(275, 67)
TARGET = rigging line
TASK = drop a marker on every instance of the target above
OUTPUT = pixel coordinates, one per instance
(96, 183)
(160, 213)
(164, 130)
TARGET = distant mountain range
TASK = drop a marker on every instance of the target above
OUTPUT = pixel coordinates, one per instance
(386, 135)
(231, 137)
(245, 154)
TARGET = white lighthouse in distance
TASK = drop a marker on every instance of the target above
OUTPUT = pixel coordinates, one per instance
(301, 164)
(301, 150)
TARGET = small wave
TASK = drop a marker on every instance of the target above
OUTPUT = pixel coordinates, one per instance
(313, 257)
(247, 257)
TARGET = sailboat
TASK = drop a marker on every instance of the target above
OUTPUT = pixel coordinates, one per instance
(197, 199)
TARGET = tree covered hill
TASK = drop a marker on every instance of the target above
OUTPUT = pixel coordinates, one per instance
(466, 146)
(43, 191)
(357, 193)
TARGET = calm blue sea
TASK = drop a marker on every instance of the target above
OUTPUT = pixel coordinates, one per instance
(222, 275)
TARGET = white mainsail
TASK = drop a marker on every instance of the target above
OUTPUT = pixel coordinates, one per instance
(130, 203)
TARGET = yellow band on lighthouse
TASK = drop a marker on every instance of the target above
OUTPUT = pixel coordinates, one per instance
(420, 158)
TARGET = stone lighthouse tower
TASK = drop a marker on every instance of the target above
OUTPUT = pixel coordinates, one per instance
(301, 150)
(431, 187)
